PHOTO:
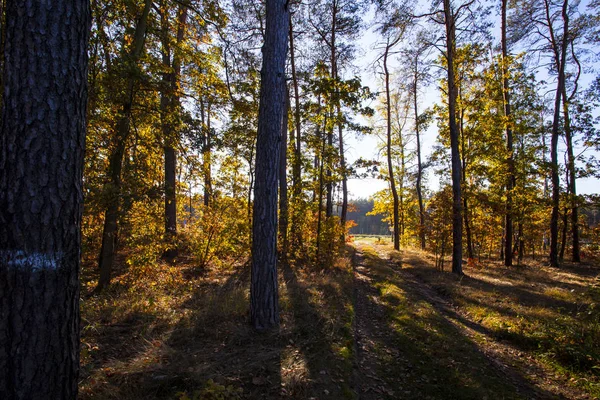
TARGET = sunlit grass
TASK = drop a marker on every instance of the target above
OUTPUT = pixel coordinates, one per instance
(551, 314)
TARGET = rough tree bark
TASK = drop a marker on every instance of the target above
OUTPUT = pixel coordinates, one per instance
(264, 310)
(42, 143)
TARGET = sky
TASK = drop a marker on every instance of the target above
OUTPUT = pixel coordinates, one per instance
(368, 147)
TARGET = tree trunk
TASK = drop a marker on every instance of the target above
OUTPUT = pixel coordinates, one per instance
(419, 163)
(169, 105)
(115, 166)
(508, 255)
(565, 228)
(572, 184)
(329, 183)
(264, 310)
(388, 106)
(560, 57)
(344, 213)
(456, 167)
(42, 143)
(297, 167)
(283, 189)
(320, 199)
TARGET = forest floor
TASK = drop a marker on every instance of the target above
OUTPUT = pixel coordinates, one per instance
(379, 325)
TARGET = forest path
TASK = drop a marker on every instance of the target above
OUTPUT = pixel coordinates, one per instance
(411, 343)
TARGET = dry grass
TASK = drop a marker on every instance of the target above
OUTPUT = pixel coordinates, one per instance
(174, 331)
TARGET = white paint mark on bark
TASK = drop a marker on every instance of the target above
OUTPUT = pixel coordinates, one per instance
(18, 259)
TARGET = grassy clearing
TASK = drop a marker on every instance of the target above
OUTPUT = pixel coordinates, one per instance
(179, 332)
(550, 315)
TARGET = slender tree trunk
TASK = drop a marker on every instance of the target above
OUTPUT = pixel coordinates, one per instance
(508, 258)
(169, 105)
(329, 183)
(454, 139)
(264, 310)
(463, 155)
(344, 213)
(42, 143)
(572, 186)
(320, 200)
(296, 231)
(283, 189)
(419, 163)
(115, 166)
(565, 229)
(560, 56)
(392, 179)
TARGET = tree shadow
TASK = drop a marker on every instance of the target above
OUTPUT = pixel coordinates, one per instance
(429, 356)
(316, 362)
(213, 341)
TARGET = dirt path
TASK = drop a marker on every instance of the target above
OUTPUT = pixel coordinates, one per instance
(411, 343)
(370, 337)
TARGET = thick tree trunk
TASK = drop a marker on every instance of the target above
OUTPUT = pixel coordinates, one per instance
(395, 220)
(508, 255)
(456, 167)
(42, 143)
(264, 310)
(115, 166)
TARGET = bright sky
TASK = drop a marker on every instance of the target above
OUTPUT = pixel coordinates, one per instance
(368, 146)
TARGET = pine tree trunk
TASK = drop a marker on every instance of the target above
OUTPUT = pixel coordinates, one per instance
(264, 310)
(508, 255)
(42, 143)
(455, 155)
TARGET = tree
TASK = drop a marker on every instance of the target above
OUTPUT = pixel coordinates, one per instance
(264, 311)
(510, 181)
(41, 167)
(170, 104)
(121, 133)
(457, 210)
(393, 28)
